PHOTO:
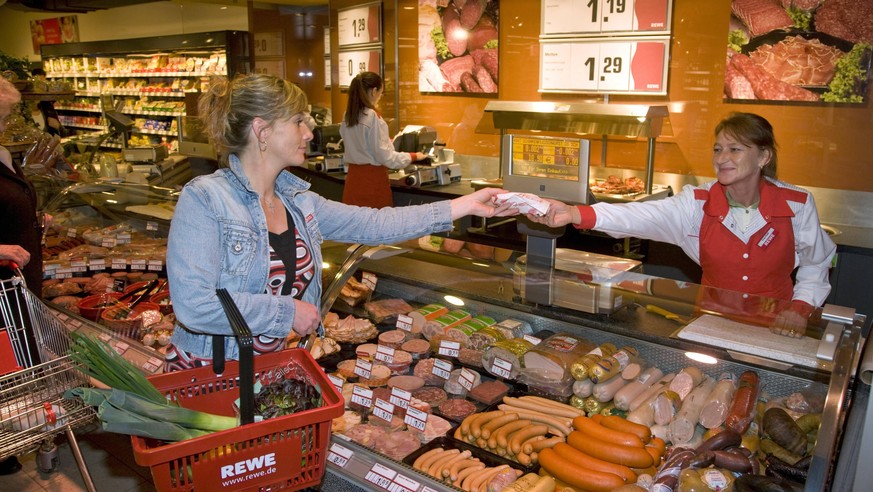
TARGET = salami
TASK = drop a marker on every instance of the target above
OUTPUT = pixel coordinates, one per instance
(431, 395)
(457, 409)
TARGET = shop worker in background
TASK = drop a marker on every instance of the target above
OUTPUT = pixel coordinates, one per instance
(747, 230)
(256, 230)
(44, 114)
(367, 147)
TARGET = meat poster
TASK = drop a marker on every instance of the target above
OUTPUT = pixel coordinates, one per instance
(799, 50)
(457, 46)
(54, 31)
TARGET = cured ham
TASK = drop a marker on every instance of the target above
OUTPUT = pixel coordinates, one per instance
(767, 86)
(798, 61)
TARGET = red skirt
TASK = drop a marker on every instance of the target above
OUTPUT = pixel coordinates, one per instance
(368, 186)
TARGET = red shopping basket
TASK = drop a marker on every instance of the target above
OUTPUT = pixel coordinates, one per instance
(286, 452)
(280, 453)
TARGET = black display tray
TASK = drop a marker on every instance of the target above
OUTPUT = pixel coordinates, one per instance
(449, 442)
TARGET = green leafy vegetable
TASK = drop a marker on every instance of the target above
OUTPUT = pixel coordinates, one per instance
(439, 40)
(802, 19)
(737, 39)
(491, 44)
(849, 76)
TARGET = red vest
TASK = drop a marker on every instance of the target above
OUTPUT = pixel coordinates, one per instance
(762, 266)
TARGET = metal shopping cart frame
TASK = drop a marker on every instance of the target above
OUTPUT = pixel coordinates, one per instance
(34, 374)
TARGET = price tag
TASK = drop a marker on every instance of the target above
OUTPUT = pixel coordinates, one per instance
(442, 368)
(500, 367)
(370, 280)
(339, 455)
(449, 348)
(404, 484)
(155, 265)
(359, 25)
(383, 410)
(616, 16)
(119, 263)
(108, 242)
(380, 475)
(327, 71)
(327, 43)
(362, 396)
(71, 232)
(605, 16)
(78, 266)
(151, 226)
(351, 63)
(363, 368)
(66, 272)
(532, 339)
(404, 322)
(415, 418)
(138, 264)
(385, 354)
(120, 347)
(400, 397)
(97, 264)
(103, 336)
(337, 382)
(466, 378)
(122, 238)
(148, 367)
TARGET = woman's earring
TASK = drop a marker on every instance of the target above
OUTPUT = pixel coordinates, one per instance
(262, 145)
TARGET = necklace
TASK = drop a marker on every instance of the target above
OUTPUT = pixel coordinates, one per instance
(269, 203)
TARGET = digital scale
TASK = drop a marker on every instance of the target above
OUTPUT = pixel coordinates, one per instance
(417, 176)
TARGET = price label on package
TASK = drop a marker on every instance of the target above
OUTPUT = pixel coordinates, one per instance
(337, 382)
(404, 322)
(151, 226)
(449, 348)
(403, 483)
(532, 339)
(97, 264)
(385, 354)
(400, 397)
(415, 418)
(442, 368)
(369, 279)
(339, 455)
(137, 264)
(156, 265)
(381, 476)
(123, 238)
(501, 368)
(466, 378)
(383, 410)
(362, 396)
(119, 263)
(363, 368)
(108, 242)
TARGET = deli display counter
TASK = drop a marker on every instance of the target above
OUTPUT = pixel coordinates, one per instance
(673, 328)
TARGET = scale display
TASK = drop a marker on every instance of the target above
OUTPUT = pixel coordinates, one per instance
(551, 167)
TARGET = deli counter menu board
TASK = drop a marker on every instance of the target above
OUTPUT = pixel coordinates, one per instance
(552, 167)
(605, 46)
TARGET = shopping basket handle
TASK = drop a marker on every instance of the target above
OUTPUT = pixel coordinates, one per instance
(246, 356)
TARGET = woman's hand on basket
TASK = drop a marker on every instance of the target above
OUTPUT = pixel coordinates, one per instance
(306, 319)
(15, 254)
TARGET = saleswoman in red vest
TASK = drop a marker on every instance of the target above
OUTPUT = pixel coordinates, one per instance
(747, 230)
(367, 148)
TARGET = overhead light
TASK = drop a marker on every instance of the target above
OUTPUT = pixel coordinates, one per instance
(454, 301)
(702, 358)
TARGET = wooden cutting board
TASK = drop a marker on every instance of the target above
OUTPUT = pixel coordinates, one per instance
(756, 340)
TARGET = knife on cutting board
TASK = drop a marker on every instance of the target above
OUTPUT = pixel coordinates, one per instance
(667, 314)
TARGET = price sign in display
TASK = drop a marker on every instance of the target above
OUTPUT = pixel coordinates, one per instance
(403, 483)
(363, 368)
(466, 378)
(351, 63)
(449, 348)
(381, 476)
(385, 354)
(359, 25)
(404, 322)
(501, 368)
(362, 396)
(327, 41)
(605, 16)
(415, 418)
(617, 65)
(400, 397)
(442, 368)
(383, 410)
(327, 72)
(339, 455)
(337, 382)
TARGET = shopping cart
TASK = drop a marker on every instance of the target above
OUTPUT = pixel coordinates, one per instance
(35, 370)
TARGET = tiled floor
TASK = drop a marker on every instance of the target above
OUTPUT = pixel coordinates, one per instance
(109, 459)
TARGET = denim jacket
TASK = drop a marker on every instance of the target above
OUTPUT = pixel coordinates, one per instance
(218, 238)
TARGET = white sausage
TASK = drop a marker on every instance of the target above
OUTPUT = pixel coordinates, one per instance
(716, 407)
(625, 395)
(686, 380)
(682, 427)
(603, 392)
(651, 391)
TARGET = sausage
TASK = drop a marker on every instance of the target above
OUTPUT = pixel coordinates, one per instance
(768, 447)
(735, 462)
(634, 457)
(651, 391)
(555, 426)
(583, 389)
(519, 437)
(793, 473)
(543, 405)
(483, 78)
(500, 437)
(687, 379)
(617, 423)
(523, 484)
(577, 476)
(456, 468)
(472, 12)
(605, 391)
(464, 474)
(456, 37)
(496, 422)
(436, 466)
(715, 408)
(539, 445)
(683, 425)
(742, 409)
(425, 457)
(485, 476)
(591, 463)
(665, 407)
(600, 432)
(782, 429)
(626, 394)
(722, 440)
(476, 425)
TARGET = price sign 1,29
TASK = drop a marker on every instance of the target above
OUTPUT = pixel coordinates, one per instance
(359, 25)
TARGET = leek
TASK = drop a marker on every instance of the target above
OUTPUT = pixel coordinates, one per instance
(101, 362)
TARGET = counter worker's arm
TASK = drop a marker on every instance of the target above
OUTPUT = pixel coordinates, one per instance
(195, 250)
(815, 252)
(376, 137)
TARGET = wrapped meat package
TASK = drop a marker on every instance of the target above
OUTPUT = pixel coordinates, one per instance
(547, 366)
(504, 358)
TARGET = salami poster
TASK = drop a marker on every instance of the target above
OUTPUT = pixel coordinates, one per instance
(457, 46)
(814, 51)
(56, 30)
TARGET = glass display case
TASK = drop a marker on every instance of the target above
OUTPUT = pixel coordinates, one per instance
(668, 325)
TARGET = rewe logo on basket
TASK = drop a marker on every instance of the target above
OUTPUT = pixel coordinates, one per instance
(249, 465)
